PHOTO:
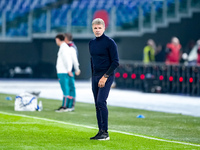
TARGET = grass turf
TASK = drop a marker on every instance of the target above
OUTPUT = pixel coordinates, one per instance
(28, 133)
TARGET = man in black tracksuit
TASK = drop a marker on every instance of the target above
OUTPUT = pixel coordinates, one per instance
(104, 60)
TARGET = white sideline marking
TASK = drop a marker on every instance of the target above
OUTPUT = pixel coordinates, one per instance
(78, 125)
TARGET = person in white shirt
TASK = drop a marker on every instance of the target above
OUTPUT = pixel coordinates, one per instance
(76, 71)
(64, 69)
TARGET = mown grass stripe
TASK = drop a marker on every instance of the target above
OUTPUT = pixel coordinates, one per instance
(19, 123)
(85, 126)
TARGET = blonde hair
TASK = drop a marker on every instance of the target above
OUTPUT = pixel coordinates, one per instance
(98, 21)
(175, 40)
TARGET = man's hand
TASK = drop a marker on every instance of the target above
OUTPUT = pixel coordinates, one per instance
(77, 73)
(102, 82)
(70, 74)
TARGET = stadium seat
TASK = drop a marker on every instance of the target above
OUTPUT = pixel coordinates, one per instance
(127, 13)
(39, 24)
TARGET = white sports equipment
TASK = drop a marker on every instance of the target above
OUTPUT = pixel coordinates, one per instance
(26, 102)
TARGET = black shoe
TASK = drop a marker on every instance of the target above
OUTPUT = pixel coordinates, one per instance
(94, 138)
(101, 135)
(60, 109)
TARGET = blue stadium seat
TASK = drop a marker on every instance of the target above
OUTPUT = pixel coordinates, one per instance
(158, 4)
(21, 30)
(39, 24)
(127, 11)
(2, 5)
(59, 16)
(146, 6)
(11, 32)
(0, 18)
(170, 2)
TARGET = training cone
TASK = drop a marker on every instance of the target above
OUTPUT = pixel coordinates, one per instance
(8, 98)
(140, 116)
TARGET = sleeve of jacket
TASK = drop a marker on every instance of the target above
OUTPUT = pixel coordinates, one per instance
(66, 58)
(74, 59)
(113, 54)
(91, 63)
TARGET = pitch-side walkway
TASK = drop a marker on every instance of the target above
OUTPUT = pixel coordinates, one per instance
(185, 105)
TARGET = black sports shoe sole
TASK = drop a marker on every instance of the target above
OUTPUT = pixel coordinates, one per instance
(104, 139)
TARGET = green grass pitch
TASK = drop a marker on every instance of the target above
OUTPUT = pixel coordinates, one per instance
(72, 130)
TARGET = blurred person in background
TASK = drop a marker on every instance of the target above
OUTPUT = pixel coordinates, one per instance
(149, 52)
(160, 54)
(104, 60)
(75, 70)
(173, 51)
(64, 69)
(189, 46)
(194, 55)
(186, 51)
(69, 41)
(198, 52)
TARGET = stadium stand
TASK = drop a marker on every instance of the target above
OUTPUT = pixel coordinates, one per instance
(24, 17)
